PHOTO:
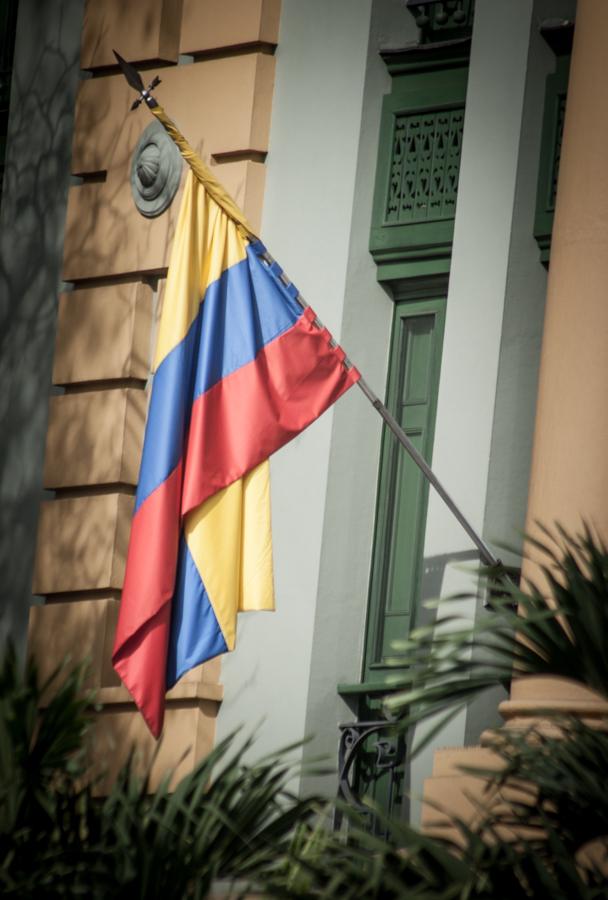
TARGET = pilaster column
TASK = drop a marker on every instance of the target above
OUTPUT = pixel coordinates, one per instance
(569, 475)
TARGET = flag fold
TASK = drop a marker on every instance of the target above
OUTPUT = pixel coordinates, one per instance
(240, 369)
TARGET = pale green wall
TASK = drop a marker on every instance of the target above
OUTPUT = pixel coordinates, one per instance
(321, 168)
(355, 442)
(494, 321)
(482, 235)
(515, 406)
(523, 312)
(311, 186)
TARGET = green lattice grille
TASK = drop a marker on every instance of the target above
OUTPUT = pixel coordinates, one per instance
(424, 166)
(557, 149)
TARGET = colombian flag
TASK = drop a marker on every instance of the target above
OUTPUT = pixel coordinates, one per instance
(240, 369)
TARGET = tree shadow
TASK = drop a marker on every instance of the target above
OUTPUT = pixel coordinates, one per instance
(44, 85)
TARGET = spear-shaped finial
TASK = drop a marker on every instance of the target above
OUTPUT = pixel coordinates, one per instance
(135, 80)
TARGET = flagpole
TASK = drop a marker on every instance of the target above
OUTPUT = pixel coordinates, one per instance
(485, 553)
(225, 201)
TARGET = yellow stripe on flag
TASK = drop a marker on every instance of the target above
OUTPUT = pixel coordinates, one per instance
(204, 233)
(230, 541)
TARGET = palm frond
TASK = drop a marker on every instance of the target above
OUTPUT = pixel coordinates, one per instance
(526, 633)
(564, 772)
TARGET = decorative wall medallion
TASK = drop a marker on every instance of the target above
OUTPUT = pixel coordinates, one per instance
(155, 171)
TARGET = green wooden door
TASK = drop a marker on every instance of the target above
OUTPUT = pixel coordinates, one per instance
(402, 491)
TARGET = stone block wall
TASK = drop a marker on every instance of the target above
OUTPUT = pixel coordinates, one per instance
(215, 61)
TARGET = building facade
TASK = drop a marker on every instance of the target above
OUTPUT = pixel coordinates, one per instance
(418, 168)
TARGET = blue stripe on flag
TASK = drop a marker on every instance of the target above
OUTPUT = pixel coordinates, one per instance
(242, 311)
(195, 633)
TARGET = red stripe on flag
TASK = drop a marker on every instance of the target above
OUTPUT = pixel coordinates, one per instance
(257, 409)
(142, 633)
(141, 663)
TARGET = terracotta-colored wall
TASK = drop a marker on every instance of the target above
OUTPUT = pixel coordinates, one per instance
(116, 260)
(569, 478)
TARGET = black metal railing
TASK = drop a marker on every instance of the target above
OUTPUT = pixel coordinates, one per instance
(370, 761)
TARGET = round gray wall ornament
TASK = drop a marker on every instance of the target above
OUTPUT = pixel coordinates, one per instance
(156, 168)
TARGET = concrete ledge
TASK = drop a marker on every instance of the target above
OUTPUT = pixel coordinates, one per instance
(94, 438)
(207, 26)
(452, 793)
(103, 333)
(75, 631)
(106, 235)
(82, 543)
(120, 730)
(542, 687)
(146, 30)
(222, 106)
(511, 709)
(450, 762)
(119, 695)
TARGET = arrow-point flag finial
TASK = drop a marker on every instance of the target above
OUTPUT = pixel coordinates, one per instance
(135, 80)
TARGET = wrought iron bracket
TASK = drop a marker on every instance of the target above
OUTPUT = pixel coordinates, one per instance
(353, 736)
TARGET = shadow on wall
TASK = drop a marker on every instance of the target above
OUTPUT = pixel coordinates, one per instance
(107, 242)
(96, 218)
(45, 79)
(482, 710)
(433, 577)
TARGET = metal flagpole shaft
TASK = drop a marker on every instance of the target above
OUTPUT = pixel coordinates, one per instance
(485, 552)
(135, 80)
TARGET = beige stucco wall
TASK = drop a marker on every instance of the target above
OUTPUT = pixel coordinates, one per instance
(569, 479)
(569, 475)
(115, 263)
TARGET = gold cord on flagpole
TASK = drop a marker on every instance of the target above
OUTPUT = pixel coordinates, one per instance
(204, 174)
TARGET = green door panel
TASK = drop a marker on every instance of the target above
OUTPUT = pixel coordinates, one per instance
(402, 491)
